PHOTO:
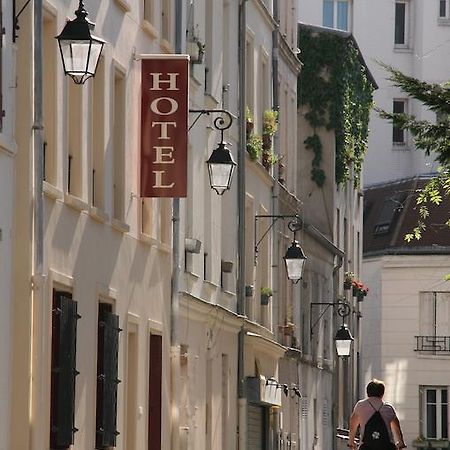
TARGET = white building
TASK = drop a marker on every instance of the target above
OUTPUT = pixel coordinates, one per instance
(413, 37)
(406, 316)
(8, 174)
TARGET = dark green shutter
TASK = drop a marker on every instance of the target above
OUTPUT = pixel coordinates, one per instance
(64, 335)
(107, 377)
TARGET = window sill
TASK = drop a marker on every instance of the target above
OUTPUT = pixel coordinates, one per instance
(400, 147)
(52, 191)
(120, 226)
(98, 214)
(399, 48)
(151, 241)
(124, 5)
(150, 29)
(443, 21)
(75, 202)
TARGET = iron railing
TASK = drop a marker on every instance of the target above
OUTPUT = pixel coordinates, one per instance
(433, 344)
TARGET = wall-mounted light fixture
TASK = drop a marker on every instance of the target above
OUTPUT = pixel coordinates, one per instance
(343, 338)
(80, 50)
(221, 164)
(294, 258)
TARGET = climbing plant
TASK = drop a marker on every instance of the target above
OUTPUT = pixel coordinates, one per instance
(335, 88)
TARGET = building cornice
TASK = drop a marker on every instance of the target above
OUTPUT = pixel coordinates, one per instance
(195, 308)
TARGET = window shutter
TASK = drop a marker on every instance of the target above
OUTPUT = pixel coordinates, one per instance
(154, 401)
(64, 331)
(107, 377)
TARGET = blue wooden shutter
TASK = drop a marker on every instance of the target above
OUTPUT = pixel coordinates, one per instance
(64, 335)
(107, 377)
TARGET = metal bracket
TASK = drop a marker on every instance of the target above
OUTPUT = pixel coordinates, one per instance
(16, 27)
(294, 225)
(220, 123)
(343, 310)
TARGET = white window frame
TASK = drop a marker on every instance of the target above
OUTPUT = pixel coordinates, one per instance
(446, 3)
(405, 43)
(438, 418)
(335, 13)
(445, 18)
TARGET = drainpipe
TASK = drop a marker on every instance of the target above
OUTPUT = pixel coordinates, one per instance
(276, 146)
(38, 279)
(337, 363)
(242, 402)
(175, 281)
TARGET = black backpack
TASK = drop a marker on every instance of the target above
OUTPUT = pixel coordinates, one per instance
(376, 435)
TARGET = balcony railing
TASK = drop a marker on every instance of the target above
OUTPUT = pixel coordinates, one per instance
(433, 344)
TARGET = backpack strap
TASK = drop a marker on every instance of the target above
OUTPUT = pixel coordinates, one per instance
(375, 409)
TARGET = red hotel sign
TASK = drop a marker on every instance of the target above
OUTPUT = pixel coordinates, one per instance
(164, 115)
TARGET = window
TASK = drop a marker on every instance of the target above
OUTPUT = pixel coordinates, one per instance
(391, 205)
(2, 111)
(165, 19)
(107, 377)
(118, 145)
(443, 9)
(434, 411)
(336, 14)
(156, 219)
(434, 328)
(148, 10)
(49, 97)
(98, 136)
(398, 134)
(401, 11)
(64, 336)
(249, 76)
(154, 396)
(74, 156)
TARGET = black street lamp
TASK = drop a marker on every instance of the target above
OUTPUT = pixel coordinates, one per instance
(221, 168)
(80, 50)
(295, 261)
(221, 164)
(343, 340)
(294, 258)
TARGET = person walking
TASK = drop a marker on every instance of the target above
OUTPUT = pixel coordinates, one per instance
(377, 421)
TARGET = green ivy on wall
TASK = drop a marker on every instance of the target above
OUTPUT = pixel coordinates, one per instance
(335, 88)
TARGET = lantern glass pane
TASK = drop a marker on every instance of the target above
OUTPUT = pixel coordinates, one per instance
(294, 268)
(75, 55)
(343, 347)
(96, 50)
(220, 176)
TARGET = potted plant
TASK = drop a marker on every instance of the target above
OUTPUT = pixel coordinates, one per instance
(254, 146)
(268, 158)
(270, 126)
(266, 293)
(249, 290)
(360, 290)
(287, 329)
(195, 48)
(270, 122)
(348, 279)
(249, 122)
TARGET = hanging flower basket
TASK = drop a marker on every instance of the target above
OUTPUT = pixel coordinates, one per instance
(348, 280)
(359, 290)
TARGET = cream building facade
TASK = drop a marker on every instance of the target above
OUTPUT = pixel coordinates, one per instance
(139, 323)
(8, 152)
